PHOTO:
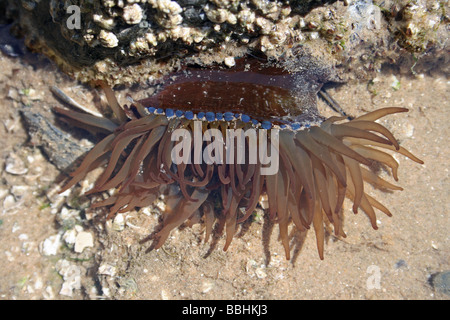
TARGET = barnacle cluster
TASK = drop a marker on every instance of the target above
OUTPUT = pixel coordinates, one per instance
(418, 24)
(130, 41)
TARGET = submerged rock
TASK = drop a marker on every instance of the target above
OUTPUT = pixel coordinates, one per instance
(441, 282)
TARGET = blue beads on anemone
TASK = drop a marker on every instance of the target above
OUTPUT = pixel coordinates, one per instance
(245, 118)
(228, 116)
(210, 116)
(189, 115)
(266, 125)
(295, 126)
(169, 113)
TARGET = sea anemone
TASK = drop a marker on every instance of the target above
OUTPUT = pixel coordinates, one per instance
(319, 161)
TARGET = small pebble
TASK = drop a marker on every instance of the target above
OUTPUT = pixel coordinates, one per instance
(48, 293)
(260, 272)
(15, 165)
(23, 237)
(119, 222)
(434, 245)
(207, 285)
(441, 282)
(71, 274)
(229, 62)
(107, 269)
(50, 246)
(401, 264)
(69, 237)
(164, 295)
(19, 191)
(83, 240)
(9, 202)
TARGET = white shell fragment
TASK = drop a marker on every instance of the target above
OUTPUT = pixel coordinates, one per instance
(15, 165)
(83, 240)
(50, 246)
(71, 274)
